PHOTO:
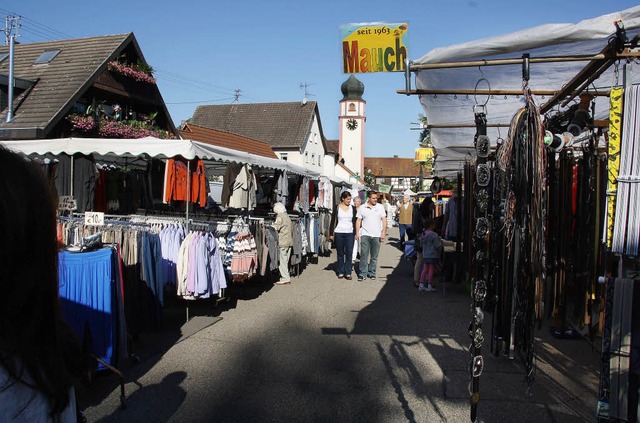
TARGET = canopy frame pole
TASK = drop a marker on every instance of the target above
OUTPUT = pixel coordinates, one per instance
(519, 61)
(407, 75)
(603, 93)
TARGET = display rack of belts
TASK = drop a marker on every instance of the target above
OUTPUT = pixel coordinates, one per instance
(513, 263)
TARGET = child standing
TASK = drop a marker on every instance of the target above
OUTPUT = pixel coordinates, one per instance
(431, 254)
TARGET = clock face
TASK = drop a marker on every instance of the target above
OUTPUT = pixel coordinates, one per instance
(352, 124)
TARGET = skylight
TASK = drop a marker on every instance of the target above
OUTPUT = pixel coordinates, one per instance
(46, 57)
(3, 56)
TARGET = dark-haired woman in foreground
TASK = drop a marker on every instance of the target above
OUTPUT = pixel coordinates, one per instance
(39, 358)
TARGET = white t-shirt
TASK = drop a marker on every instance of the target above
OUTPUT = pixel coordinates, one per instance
(345, 221)
(371, 217)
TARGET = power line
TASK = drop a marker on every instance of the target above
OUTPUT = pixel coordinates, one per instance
(48, 33)
(39, 28)
(200, 102)
(184, 79)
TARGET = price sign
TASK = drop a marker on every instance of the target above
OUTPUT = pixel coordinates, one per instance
(67, 202)
(94, 218)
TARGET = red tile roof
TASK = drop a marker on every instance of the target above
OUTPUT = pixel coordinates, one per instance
(391, 167)
(227, 140)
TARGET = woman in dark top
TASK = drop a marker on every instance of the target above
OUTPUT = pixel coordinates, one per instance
(342, 231)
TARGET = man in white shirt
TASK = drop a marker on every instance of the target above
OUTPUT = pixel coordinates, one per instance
(371, 228)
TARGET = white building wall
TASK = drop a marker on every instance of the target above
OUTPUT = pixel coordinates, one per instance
(342, 173)
(292, 156)
(329, 166)
(313, 153)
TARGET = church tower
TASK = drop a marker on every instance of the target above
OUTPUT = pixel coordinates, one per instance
(352, 119)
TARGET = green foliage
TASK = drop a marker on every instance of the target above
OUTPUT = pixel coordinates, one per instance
(144, 67)
(369, 178)
(425, 135)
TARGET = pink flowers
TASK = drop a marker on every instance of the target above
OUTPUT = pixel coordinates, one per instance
(81, 123)
(131, 72)
(129, 129)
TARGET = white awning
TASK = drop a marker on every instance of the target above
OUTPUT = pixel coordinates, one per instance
(150, 147)
(587, 37)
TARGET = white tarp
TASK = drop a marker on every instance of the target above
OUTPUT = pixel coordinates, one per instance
(150, 147)
(587, 37)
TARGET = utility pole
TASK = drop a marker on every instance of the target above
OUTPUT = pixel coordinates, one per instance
(237, 94)
(11, 23)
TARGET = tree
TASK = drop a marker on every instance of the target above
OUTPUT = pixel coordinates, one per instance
(369, 178)
(425, 134)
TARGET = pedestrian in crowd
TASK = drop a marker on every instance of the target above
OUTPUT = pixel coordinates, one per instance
(342, 231)
(450, 221)
(405, 218)
(284, 227)
(422, 213)
(371, 228)
(431, 255)
(356, 202)
(39, 357)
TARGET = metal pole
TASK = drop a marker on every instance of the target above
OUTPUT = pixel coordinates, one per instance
(11, 81)
(519, 61)
(188, 194)
(407, 76)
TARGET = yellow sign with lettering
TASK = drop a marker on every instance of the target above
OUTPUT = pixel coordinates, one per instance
(424, 154)
(373, 47)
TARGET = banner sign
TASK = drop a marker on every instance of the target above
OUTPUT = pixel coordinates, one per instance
(424, 154)
(384, 188)
(373, 47)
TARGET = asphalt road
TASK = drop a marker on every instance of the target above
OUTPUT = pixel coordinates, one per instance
(325, 349)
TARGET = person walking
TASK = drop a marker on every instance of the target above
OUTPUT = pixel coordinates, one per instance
(342, 231)
(371, 228)
(431, 255)
(284, 228)
(356, 202)
(405, 218)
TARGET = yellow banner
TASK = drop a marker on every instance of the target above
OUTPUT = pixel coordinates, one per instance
(373, 47)
(424, 154)
(615, 126)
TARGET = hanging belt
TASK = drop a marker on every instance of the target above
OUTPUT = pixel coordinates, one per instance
(480, 232)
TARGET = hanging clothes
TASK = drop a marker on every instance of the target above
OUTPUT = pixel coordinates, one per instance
(282, 187)
(175, 181)
(304, 195)
(199, 268)
(239, 187)
(199, 184)
(91, 293)
(85, 176)
(175, 185)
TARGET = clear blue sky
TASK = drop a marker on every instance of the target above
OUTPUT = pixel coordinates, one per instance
(203, 50)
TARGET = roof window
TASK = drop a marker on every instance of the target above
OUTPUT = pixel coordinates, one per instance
(3, 56)
(46, 57)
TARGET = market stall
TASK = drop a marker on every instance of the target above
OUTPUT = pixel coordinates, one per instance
(534, 127)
